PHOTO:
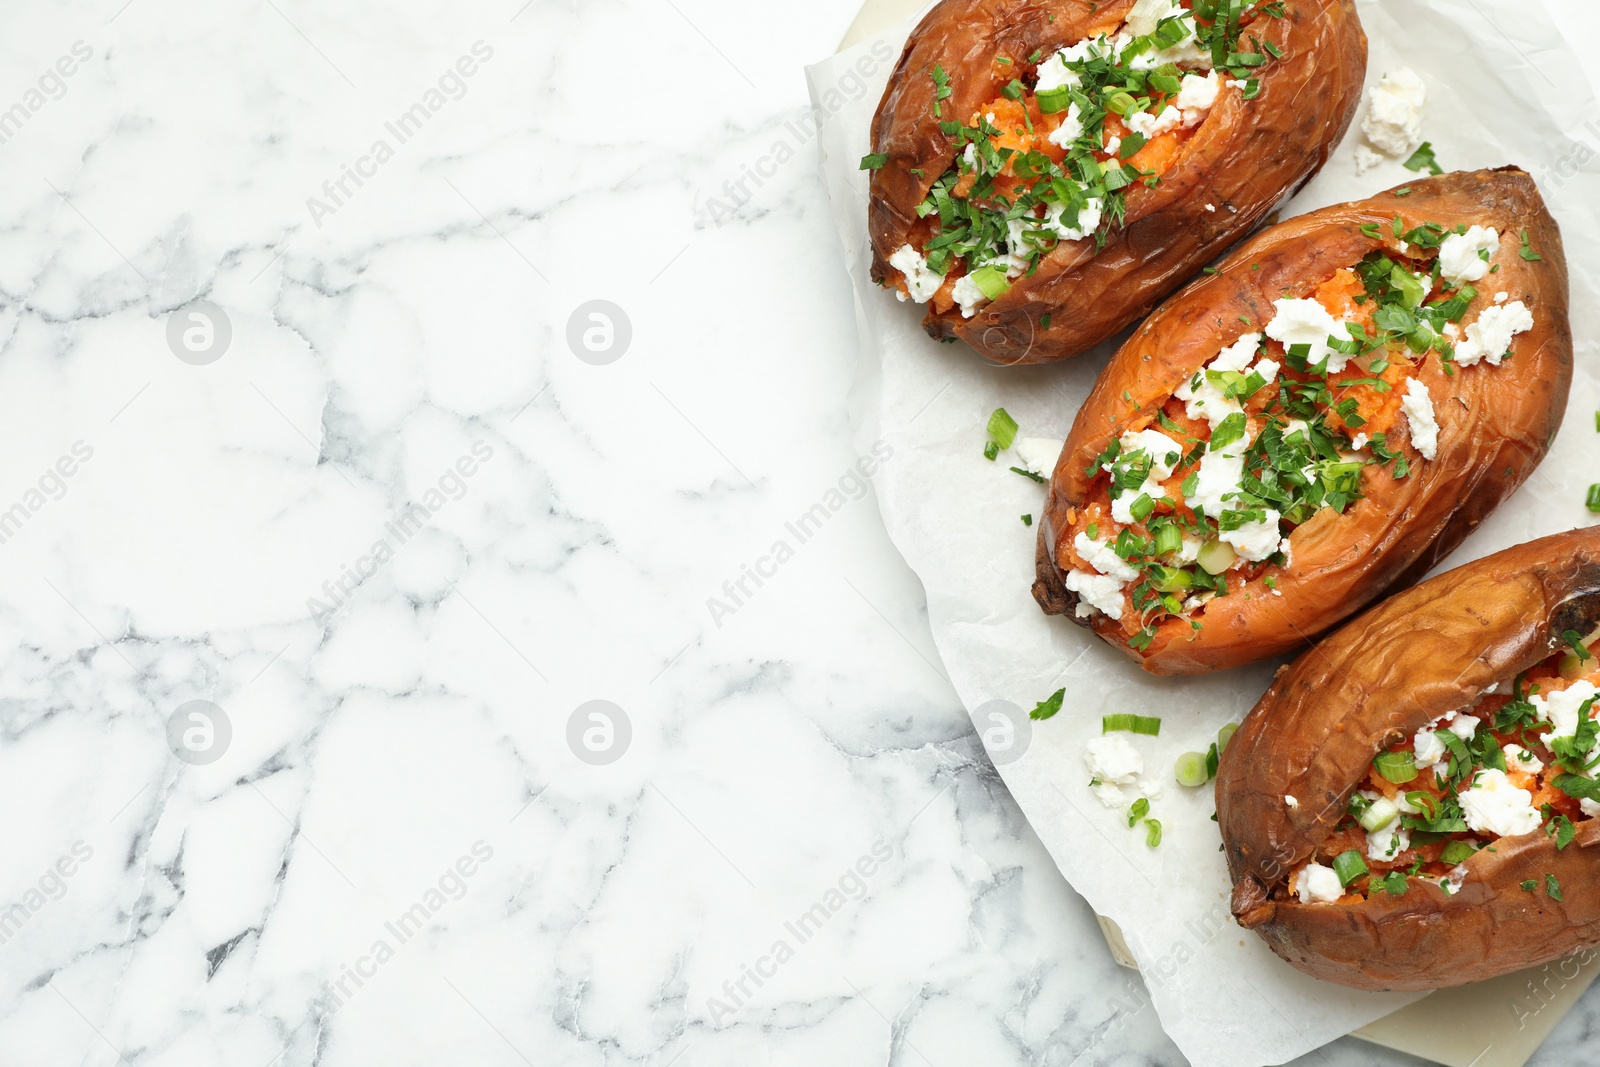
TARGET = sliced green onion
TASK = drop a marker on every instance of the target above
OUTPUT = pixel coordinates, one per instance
(1191, 769)
(991, 281)
(1169, 539)
(1171, 579)
(1397, 767)
(1225, 735)
(1148, 725)
(1140, 809)
(1456, 851)
(1052, 101)
(1212, 761)
(991, 449)
(1217, 556)
(1379, 813)
(1002, 428)
(1425, 803)
(1121, 103)
(1141, 508)
(1152, 833)
(1027, 520)
(1411, 289)
(1349, 866)
(1593, 501)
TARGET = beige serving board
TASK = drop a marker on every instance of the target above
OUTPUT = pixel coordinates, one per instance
(1500, 1023)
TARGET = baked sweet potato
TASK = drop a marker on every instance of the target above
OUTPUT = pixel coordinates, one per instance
(1324, 418)
(1047, 170)
(1456, 719)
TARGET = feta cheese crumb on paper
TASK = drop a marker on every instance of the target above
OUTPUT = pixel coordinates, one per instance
(1491, 335)
(1039, 454)
(1418, 407)
(1494, 805)
(1318, 885)
(1290, 802)
(1366, 159)
(1393, 122)
(921, 281)
(1115, 767)
(1460, 256)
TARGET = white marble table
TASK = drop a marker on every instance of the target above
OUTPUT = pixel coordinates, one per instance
(370, 507)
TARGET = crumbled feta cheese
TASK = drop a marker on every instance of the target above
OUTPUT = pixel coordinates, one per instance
(1146, 15)
(1186, 53)
(1501, 298)
(1211, 207)
(1112, 759)
(1318, 885)
(1164, 455)
(1463, 725)
(921, 281)
(1491, 336)
(968, 295)
(1219, 476)
(1190, 550)
(1389, 842)
(1358, 442)
(1239, 83)
(1493, 805)
(1520, 759)
(1080, 227)
(1206, 399)
(1459, 259)
(1103, 558)
(1053, 72)
(1113, 145)
(1589, 807)
(1366, 159)
(1451, 330)
(1393, 122)
(1196, 95)
(1038, 454)
(1096, 592)
(1255, 540)
(1113, 763)
(1070, 130)
(1418, 406)
(1153, 126)
(1560, 708)
(1429, 749)
(1290, 802)
(1306, 322)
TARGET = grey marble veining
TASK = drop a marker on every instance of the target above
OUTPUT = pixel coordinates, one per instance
(395, 510)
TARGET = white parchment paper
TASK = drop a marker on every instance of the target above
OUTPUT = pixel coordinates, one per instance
(1503, 88)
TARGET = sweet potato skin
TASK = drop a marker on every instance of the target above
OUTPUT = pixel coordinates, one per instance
(1429, 650)
(1496, 423)
(1243, 160)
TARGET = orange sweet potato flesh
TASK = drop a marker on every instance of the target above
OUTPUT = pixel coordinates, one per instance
(1243, 159)
(1429, 650)
(1496, 423)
